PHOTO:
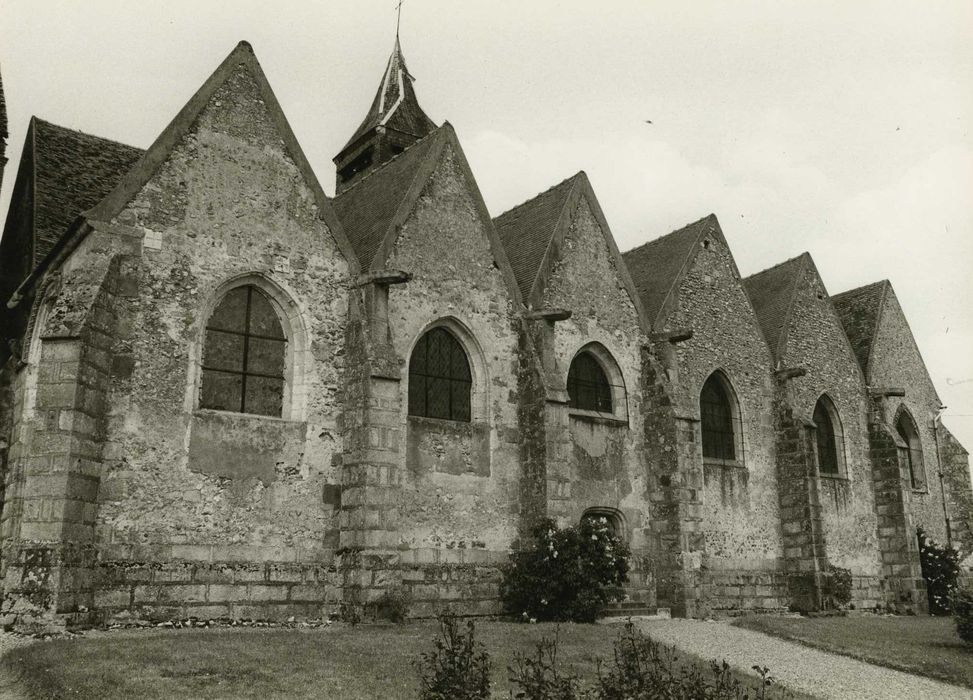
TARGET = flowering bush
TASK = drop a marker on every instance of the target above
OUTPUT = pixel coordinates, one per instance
(940, 568)
(458, 668)
(564, 574)
(839, 585)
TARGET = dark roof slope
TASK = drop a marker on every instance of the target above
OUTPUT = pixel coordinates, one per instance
(73, 171)
(657, 266)
(367, 208)
(860, 310)
(772, 293)
(527, 229)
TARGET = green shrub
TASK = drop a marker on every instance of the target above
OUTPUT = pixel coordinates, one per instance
(645, 670)
(564, 574)
(455, 669)
(962, 604)
(538, 677)
(940, 569)
(393, 605)
(839, 585)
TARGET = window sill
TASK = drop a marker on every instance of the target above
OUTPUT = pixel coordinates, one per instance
(834, 477)
(597, 417)
(732, 463)
(237, 414)
(921, 491)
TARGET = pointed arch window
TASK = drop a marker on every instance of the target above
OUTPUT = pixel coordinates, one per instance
(440, 381)
(244, 355)
(905, 426)
(720, 421)
(588, 386)
(830, 438)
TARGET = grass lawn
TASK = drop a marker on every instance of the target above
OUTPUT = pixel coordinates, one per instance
(368, 661)
(926, 646)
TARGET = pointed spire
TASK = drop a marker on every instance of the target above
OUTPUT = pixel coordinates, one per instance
(3, 132)
(394, 122)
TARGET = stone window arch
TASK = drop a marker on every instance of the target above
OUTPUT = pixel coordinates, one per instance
(612, 516)
(447, 377)
(251, 352)
(440, 379)
(721, 424)
(905, 426)
(595, 383)
(829, 437)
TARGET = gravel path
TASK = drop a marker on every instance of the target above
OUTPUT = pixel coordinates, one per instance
(796, 666)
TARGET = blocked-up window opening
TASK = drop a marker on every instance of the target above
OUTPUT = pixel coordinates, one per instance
(588, 386)
(907, 430)
(720, 422)
(440, 381)
(244, 355)
(830, 440)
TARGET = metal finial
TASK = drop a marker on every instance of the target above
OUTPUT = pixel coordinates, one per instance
(398, 18)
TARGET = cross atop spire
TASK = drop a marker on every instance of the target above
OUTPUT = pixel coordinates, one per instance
(394, 122)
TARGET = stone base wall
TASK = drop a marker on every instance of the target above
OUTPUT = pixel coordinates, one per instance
(866, 592)
(738, 591)
(467, 581)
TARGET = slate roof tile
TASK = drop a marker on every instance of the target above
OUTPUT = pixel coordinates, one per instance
(657, 266)
(73, 171)
(527, 229)
(771, 292)
(366, 209)
(859, 310)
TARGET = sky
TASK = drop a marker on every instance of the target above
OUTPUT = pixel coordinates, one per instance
(838, 128)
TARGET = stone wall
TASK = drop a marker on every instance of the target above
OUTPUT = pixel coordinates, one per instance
(602, 463)
(816, 342)
(740, 512)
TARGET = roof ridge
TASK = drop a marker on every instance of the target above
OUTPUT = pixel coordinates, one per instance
(775, 266)
(85, 133)
(666, 235)
(391, 160)
(540, 194)
(861, 288)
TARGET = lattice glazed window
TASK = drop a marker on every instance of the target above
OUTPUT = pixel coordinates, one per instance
(588, 386)
(244, 355)
(440, 381)
(721, 425)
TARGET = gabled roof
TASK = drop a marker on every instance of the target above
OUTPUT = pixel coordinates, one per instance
(772, 293)
(658, 267)
(73, 171)
(148, 165)
(367, 208)
(242, 56)
(532, 234)
(395, 105)
(860, 311)
(374, 209)
(527, 229)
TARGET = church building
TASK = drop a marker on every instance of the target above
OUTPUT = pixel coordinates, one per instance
(224, 394)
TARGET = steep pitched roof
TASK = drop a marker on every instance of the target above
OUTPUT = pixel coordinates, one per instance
(860, 311)
(533, 232)
(527, 229)
(73, 171)
(367, 208)
(657, 267)
(242, 56)
(772, 293)
(375, 208)
(3, 124)
(395, 105)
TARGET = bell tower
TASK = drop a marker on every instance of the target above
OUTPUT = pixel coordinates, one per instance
(394, 122)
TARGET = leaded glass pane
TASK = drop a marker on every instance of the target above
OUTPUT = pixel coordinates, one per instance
(231, 312)
(264, 396)
(223, 351)
(588, 387)
(221, 391)
(827, 446)
(717, 421)
(439, 378)
(263, 319)
(265, 357)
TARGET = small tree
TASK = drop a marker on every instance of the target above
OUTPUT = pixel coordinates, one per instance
(458, 668)
(940, 569)
(962, 604)
(564, 574)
